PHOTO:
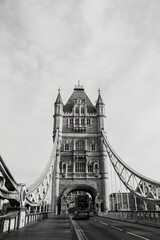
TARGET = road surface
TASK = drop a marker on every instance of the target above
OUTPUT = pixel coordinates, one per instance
(99, 228)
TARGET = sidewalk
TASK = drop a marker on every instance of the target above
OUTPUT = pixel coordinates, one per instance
(55, 228)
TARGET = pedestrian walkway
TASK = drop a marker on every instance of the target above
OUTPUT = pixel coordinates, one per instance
(55, 228)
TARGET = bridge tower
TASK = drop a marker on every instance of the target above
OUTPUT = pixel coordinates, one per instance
(81, 160)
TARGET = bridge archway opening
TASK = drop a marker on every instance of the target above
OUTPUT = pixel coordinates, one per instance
(66, 199)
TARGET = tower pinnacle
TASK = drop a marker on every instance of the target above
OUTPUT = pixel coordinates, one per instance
(99, 100)
(59, 98)
(78, 86)
(59, 89)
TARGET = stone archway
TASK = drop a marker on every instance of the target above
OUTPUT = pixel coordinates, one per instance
(76, 187)
(84, 187)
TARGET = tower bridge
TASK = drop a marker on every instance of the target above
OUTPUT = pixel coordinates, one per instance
(79, 163)
(82, 158)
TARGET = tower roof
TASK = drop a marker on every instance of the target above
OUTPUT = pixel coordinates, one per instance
(79, 93)
(99, 100)
(59, 98)
(78, 87)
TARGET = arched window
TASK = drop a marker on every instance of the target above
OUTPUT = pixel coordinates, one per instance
(96, 168)
(64, 168)
(80, 146)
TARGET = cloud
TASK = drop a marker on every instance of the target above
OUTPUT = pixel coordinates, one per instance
(45, 44)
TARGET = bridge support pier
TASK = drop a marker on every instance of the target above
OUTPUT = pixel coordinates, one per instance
(21, 215)
(55, 185)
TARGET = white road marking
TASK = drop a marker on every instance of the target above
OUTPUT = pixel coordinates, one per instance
(137, 236)
(120, 229)
(104, 223)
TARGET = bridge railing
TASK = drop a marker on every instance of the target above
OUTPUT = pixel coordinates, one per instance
(34, 217)
(146, 217)
(15, 220)
(9, 222)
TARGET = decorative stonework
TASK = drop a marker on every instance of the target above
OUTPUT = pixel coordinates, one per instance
(78, 86)
(82, 160)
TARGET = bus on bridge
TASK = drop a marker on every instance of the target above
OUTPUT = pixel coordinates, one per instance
(82, 206)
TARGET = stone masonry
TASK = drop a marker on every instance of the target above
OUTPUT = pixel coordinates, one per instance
(82, 158)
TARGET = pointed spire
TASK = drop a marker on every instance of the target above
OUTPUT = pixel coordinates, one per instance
(59, 98)
(79, 87)
(99, 100)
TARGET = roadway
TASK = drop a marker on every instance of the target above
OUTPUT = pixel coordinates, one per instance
(99, 228)
(53, 228)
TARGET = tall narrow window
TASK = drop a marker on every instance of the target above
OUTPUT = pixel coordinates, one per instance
(77, 110)
(90, 168)
(82, 110)
(93, 147)
(82, 121)
(96, 168)
(66, 147)
(77, 121)
(64, 168)
(71, 121)
(70, 168)
(88, 121)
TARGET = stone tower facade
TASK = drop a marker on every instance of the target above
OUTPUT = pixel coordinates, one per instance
(81, 160)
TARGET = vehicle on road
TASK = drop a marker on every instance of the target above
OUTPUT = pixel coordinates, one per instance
(82, 206)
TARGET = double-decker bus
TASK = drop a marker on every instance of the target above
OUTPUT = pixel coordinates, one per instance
(82, 206)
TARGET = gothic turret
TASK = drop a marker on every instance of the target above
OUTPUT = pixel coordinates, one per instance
(100, 106)
(58, 114)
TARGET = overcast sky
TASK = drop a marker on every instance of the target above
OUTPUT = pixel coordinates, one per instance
(113, 45)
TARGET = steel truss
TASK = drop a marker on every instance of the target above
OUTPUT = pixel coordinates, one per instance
(9, 188)
(141, 186)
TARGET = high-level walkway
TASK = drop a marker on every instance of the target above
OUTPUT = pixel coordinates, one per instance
(55, 228)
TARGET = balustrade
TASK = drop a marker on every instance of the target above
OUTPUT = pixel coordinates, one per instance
(18, 218)
(146, 217)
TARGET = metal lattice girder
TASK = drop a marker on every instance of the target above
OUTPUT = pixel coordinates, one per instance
(37, 192)
(141, 186)
(9, 188)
